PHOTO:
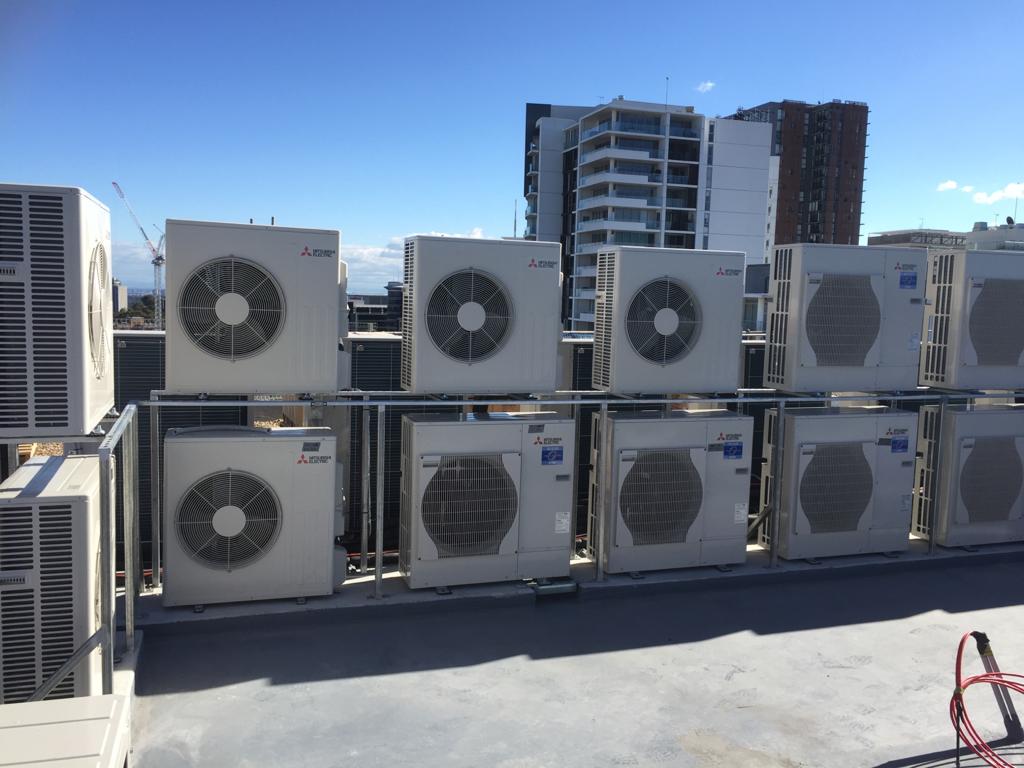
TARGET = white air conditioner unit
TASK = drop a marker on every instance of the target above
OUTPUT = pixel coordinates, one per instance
(974, 331)
(847, 480)
(845, 317)
(49, 575)
(677, 492)
(56, 312)
(480, 316)
(970, 475)
(248, 514)
(252, 309)
(486, 499)
(668, 320)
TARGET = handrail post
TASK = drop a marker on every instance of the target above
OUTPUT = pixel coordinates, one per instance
(130, 492)
(106, 570)
(603, 478)
(364, 487)
(776, 511)
(154, 493)
(378, 578)
(934, 490)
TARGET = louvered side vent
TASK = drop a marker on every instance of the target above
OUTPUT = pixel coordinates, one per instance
(936, 343)
(37, 621)
(836, 488)
(408, 313)
(597, 447)
(48, 312)
(771, 423)
(405, 509)
(12, 228)
(778, 321)
(926, 477)
(14, 383)
(469, 505)
(603, 319)
(661, 497)
(991, 479)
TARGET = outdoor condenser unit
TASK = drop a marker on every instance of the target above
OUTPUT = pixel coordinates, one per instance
(677, 489)
(49, 575)
(974, 331)
(480, 316)
(668, 321)
(845, 317)
(56, 312)
(249, 514)
(847, 480)
(486, 499)
(970, 475)
(252, 309)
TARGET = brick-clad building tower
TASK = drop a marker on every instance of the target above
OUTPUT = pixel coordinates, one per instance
(821, 149)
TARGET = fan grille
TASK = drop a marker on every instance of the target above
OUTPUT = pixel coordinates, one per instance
(469, 505)
(661, 496)
(990, 479)
(99, 283)
(650, 327)
(836, 487)
(996, 324)
(469, 316)
(231, 308)
(197, 526)
(843, 320)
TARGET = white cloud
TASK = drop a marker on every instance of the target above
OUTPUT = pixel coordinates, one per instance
(1010, 191)
(946, 186)
(371, 267)
(705, 86)
(967, 188)
(132, 264)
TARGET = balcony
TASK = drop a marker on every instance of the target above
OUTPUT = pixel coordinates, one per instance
(591, 247)
(531, 210)
(531, 189)
(620, 175)
(586, 271)
(531, 169)
(682, 178)
(614, 222)
(679, 131)
(623, 126)
(625, 201)
(584, 294)
(623, 153)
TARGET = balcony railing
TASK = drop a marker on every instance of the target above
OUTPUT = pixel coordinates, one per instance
(531, 189)
(676, 178)
(622, 126)
(686, 133)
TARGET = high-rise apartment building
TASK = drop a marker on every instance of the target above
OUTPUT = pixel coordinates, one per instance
(821, 150)
(635, 173)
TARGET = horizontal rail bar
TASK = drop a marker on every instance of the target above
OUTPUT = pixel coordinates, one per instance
(99, 637)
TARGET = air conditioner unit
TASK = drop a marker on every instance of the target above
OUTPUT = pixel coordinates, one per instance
(677, 490)
(974, 331)
(667, 320)
(970, 475)
(56, 312)
(847, 480)
(249, 514)
(252, 309)
(845, 317)
(485, 499)
(480, 316)
(49, 575)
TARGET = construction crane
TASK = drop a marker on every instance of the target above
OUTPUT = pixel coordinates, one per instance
(157, 252)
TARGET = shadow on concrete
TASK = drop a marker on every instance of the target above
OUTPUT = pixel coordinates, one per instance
(947, 758)
(350, 644)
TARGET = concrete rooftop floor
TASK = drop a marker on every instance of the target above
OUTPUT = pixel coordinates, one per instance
(833, 669)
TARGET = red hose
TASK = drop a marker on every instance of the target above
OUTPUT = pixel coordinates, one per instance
(958, 708)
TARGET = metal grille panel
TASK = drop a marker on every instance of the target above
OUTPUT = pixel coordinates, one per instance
(661, 497)
(408, 313)
(603, 307)
(843, 320)
(936, 342)
(990, 479)
(644, 336)
(49, 335)
(926, 471)
(215, 279)
(446, 330)
(469, 505)
(996, 324)
(12, 228)
(836, 487)
(778, 321)
(194, 520)
(56, 595)
(14, 383)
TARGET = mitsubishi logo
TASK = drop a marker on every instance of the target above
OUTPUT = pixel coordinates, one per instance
(306, 252)
(721, 435)
(532, 264)
(302, 459)
(538, 440)
(723, 272)
(905, 267)
(719, 272)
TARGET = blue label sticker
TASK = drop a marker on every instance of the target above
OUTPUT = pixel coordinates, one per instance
(733, 450)
(552, 454)
(908, 280)
(900, 445)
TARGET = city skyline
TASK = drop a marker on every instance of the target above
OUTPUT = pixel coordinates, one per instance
(388, 121)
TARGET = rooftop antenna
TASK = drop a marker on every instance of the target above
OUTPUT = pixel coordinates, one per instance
(666, 93)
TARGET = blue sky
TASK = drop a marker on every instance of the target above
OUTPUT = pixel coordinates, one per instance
(383, 119)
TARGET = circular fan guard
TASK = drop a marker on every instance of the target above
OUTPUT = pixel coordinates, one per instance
(663, 321)
(661, 497)
(228, 491)
(231, 308)
(469, 316)
(98, 287)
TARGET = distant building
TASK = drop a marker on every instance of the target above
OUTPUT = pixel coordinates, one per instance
(119, 292)
(919, 238)
(376, 312)
(1005, 237)
(636, 173)
(821, 150)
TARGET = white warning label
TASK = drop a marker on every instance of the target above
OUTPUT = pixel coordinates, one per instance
(741, 513)
(562, 520)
